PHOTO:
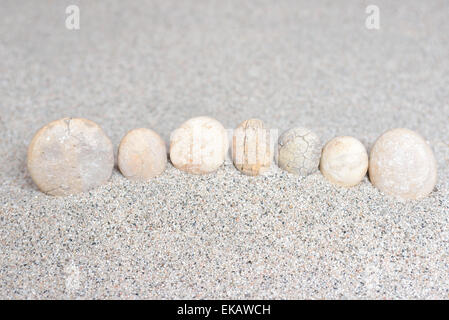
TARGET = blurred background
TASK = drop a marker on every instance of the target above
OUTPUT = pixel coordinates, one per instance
(157, 63)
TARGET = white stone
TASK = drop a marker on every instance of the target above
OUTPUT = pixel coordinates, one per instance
(403, 165)
(70, 155)
(199, 145)
(142, 154)
(299, 151)
(344, 161)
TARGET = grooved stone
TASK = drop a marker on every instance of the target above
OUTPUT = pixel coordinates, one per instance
(299, 151)
(344, 161)
(199, 145)
(251, 147)
(142, 154)
(68, 156)
(403, 165)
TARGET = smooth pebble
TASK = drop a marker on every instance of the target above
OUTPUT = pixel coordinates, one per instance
(403, 165)
(344, 161)
(70, 155)
(142, 154)
(199, 145)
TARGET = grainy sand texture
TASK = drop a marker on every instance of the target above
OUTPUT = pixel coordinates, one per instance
(156, 64)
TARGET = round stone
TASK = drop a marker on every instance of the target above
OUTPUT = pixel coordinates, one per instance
(142, 155)
(199, 145)
(70, 155)
(299, 151)
(251, 147)
(344, 161)
(403, 165)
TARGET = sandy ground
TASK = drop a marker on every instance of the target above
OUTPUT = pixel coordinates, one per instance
(224, 235)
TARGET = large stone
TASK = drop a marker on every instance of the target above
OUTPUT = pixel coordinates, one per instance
(142, 154)
(68, 156)
(199, 145)
(403, 165)
(252, 152)
(299, 151)
(344, 161)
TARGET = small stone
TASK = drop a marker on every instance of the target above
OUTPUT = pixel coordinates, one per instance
(142, 155)
(403, 165)
(199, 145)
(251, 147)
(299, 151)
(344, 161)
(69, 156)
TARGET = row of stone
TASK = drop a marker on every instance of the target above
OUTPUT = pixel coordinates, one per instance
(74, 155)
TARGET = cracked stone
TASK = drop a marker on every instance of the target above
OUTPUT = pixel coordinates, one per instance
(142, 155)
(199, 145)
(299, 151)
(251, 147)
(403, 165)
(344, 161)
(69, 156)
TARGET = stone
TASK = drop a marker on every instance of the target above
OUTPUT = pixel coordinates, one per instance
(142, 155)
(403, 165)
(69, 156)
(199, 145)
(299, 151)
(251, 147)
(344, 161)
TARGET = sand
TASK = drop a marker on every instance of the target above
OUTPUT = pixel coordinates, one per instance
(225, 235)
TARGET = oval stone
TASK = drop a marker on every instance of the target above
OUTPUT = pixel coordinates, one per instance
(403, 165)
(142, 154)
(70, 155)
(199, 145)
(251, 147)
(344, 161)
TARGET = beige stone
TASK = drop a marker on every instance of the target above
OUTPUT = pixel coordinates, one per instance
(299, 151)
(403, 165)
(142, 154)
(344, 161)
(199, 145)
(252, 152)
(70, 155)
